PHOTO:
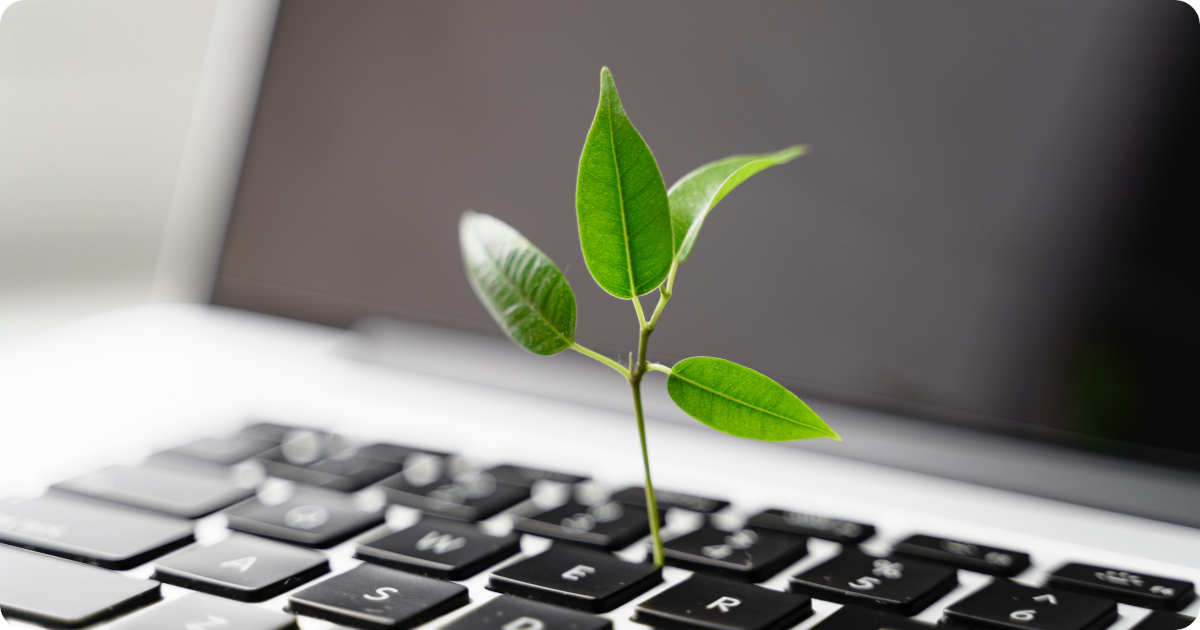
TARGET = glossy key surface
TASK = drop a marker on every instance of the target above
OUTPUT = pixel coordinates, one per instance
(1006, 604)
(466, 497)
(313, 518)
(1161, 620)
(113, 537)
(220, 451)
(527, 475)
(705, 602)
(577, 578)
(666, 499)
(850, 617)
(241, 567)
(513, 613)
(815, 525)
(371, 596)
(344, 473)
(899, 585)
(609, 525)
(61, 593)
(745, 554)
(439, 548)
(964, 555)
(196, 611)
(181, 493)
(1130, 587)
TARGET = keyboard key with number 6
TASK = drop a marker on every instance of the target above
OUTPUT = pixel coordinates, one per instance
(439, 548)
(1006, 604)
(60, 593)
(370, 596)
(109, 536)
(577, 578)
(1139, 589)
(241, 567)
(703, 602)
(901, 586)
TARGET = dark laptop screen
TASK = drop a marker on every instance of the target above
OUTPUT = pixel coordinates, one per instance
(996, 225)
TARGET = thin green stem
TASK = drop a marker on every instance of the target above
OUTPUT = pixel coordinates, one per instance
(658, 367)
(651, 501)
(592, 354)
(637, 308)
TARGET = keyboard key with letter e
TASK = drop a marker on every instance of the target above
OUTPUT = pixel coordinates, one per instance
(513, 613)
(964, 555)
(703, 602)
(371, 596)
(900, 586)
(84, 530)
(576, 578)
(1006, 604)
(60, 593)
(1139, 589)
(241, 567)
(439, 548)
(747, 554)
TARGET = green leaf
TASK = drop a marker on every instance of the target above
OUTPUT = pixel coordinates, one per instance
(520, 286)
(740, 401)
(621, 203)
(698, 192)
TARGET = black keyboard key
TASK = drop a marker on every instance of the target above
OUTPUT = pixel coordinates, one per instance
(344, 473)
(1159, 620)
(110, 536)
(314, 518)
(513, 613)
(527, 476)
(396, 453)
(439, 548)
(901, 586)
(1139, 589)
(636, 495)
(221, 451)
(607, 526)
(59, 593)
(804, 524)
(371, 596)
(179, 493)
(576, 578)
(704, 602)
(746, 554)
(855, 618)
(241, 567)
(964, 555)
(195, 611)
(463, 497)
(1006, 604)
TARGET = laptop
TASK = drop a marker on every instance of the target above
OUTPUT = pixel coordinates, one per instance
(983, 276)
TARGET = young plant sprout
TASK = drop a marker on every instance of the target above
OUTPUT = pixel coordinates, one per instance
(634, 234)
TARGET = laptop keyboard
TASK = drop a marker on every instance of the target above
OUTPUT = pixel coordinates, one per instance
(239, 532)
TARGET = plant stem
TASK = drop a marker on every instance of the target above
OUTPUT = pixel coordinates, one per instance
(637, 370)
(592, 354)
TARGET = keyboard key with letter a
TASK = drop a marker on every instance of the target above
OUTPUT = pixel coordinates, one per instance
(371, 596)
(577, 578)
(196, 611)
(61, 593)
(241, 567)
(109, 536)
(439, 548)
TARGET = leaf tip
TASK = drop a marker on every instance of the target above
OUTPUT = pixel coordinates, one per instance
(792, 152)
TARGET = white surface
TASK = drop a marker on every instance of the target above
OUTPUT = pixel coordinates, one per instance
(110, 389)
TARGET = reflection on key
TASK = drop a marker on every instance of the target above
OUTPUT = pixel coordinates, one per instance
(195, 611)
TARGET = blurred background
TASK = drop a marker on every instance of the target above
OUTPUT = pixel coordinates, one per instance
(995, 225)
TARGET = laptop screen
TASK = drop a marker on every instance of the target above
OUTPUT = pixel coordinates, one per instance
(995, 225)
